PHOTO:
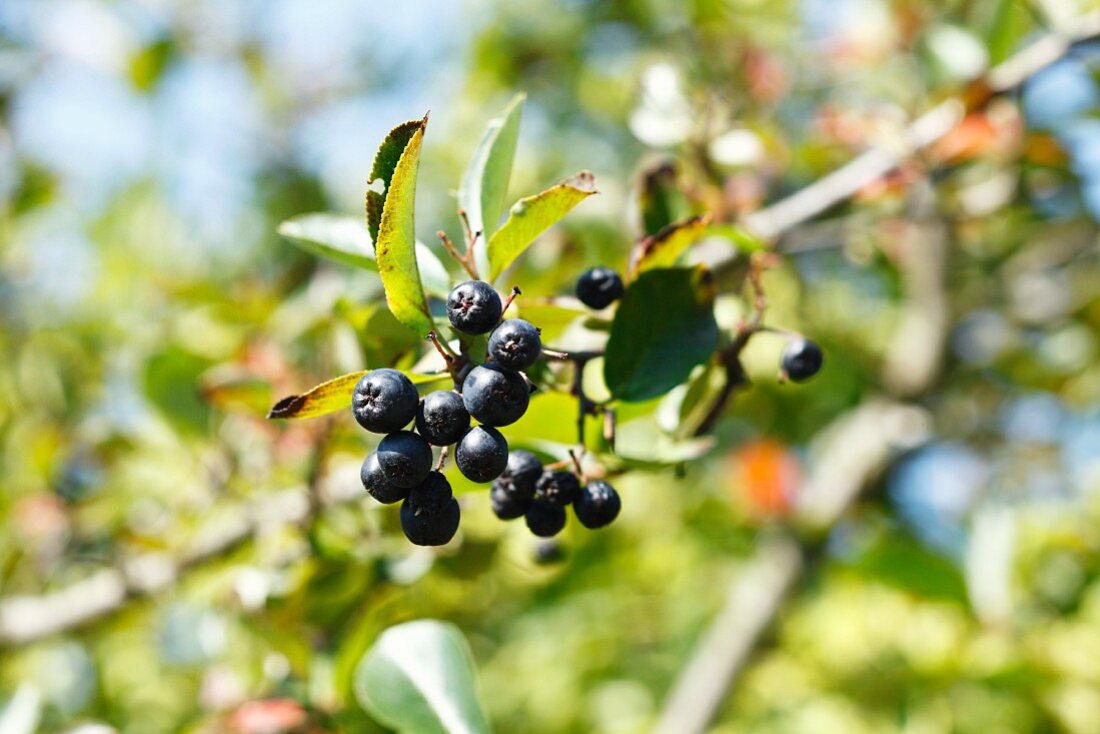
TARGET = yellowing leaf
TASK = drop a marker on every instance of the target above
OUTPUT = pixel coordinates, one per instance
(532, 216)
(333, 395)
(663, 249)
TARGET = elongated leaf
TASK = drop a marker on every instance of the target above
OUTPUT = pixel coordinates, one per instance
(661, 201)
(333, 395)
(663, 249)
(395, 245)
(347, 240)
(484, 187)
(385, 162)
(532, 216)
(663, 328)
(419, 678)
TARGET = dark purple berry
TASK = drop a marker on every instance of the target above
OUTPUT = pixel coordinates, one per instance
(557, 488)
(384, 401)
(495, 395)
(405, 458)
(442, 418)
(515, 344)
(473, 307)
(544, 519)
(430, 514)
(597, 505)
(507, 504)
(375, 482)
(802, 359)
(599, 287)
(482, 454)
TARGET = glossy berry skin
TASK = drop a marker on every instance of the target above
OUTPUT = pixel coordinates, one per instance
(557, 488)
(597, 505)
(376, 484)
(515, 344)
(384, 401)
(442, 418)
(599, 287)
(802, 359)
(495, 395)
(508, 504)
(405, 458)
(522, 473)
(544, 519)
(430, 514)
(482, 454)
(474, 307)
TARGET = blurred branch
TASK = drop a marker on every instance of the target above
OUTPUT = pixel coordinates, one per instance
(853, 451)
(843, 183)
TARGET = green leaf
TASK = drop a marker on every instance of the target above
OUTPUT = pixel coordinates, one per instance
(745, 241)
(347, 240)
(385, 162)
(484, 186)
(395, 245)
(663, 328)
(663, 249)
(661, 200)
(532, 216)
(419, 678)
(333, 395)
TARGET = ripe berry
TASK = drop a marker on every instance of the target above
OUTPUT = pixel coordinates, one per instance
(544, 519)
(430, 514)
(599, 287)
(557, 488)
(482, 454)
(442, 418)
(515, 344)
(508, 504)
(473, 307)
(522, 472)
(548, 552)
(384, 401)
(375, 482)
(802, 359)
(405, 458)
(597, 505)
(495, 395)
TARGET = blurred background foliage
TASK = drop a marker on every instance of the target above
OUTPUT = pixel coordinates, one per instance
(149, 314)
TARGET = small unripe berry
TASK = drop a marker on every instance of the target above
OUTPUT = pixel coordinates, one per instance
(384, 401)
(515, 344)
(495, 395)
(405, 458)
(473, 307)
(802, 359)
(375, 482)
(599, 287)
(482, 454)
(544, 519)
(557, 488)
(442, 418)
(430, 515)
(596, 505)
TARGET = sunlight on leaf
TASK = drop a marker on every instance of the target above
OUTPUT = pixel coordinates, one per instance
(663, 249)
(333, 395)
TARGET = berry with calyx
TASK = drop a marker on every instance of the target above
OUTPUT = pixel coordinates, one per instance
(515, 344)
(482, 454)
(495, 395)
(474, 307)
(802, 359)
(599, 287)
(405, 458)
(596, 505)
(508, 504)
(442, 418)
(557, 488)
(375, 482)
(430, 514)
(384, 401)
(544, 519)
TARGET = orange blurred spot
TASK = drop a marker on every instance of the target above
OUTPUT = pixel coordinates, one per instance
(765, 477)
(267, 717)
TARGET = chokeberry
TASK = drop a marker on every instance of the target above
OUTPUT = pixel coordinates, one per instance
(515, 344)
(548, 552)
(557, 488)
(802, 359)
(482, 454)
(522, 473)
(405, 458)
(375, 482)
(508, 504)
(430, 514)
(544, 519)
(442, 418)
(597, 505)
(384, 401)
(495, 395)
(473, 307)
(599, 287)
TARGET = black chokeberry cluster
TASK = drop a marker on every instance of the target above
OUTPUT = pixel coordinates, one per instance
(494, 394)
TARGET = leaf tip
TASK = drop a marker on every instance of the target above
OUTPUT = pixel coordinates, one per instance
(285, 408)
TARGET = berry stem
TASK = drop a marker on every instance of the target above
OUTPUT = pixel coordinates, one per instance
(554, 354)
(577, 463)
(442, 458)
(508, 301)
(464, 260)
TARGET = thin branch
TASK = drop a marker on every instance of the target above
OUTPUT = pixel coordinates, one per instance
(464, 260)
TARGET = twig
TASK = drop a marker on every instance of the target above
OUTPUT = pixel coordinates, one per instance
(442, 458)
(464, 260)
(511, 297)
